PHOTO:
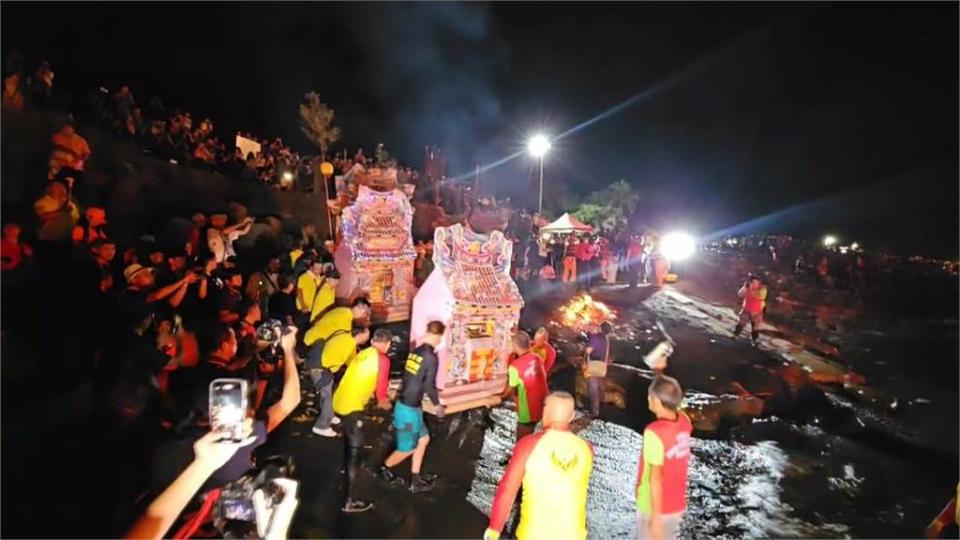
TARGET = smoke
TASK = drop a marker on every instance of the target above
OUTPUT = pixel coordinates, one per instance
(433, 67)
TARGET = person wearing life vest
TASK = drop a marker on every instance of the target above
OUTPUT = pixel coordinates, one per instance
(554, 467)
(367, 375)
(662, 473)
(527, 379)
(754, 296)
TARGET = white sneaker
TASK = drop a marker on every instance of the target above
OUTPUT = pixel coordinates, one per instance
(335, 421)
(325, 432)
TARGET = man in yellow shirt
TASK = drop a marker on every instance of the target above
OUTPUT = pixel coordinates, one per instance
(367, 374)
(308, 285)
(338, 318)
(338, 350)
(553, 467)
(326, 295)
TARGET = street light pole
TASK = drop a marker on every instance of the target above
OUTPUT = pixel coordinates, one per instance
(540, 203)
(538, 146)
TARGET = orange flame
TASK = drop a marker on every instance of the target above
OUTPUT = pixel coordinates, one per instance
(583, 312)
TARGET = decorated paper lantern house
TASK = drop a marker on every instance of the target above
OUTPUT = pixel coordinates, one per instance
(376, 255)
(470, 290)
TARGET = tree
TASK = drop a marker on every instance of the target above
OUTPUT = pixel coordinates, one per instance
(316, 123)
(610, 207)
(591, 214)
(623, 198)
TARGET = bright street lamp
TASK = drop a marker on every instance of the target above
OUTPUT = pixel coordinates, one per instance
(829, 240)
(538, 146)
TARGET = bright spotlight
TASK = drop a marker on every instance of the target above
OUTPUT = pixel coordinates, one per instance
(829, 240)
(854, 246)
(677, 246)
(538, 145)
(288, 176)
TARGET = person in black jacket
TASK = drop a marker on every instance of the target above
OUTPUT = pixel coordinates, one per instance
(419, 379)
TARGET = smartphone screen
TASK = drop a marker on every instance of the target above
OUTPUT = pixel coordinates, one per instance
(239, 510)
(228, 408)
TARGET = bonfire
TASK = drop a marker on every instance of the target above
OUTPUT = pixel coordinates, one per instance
(583, 313)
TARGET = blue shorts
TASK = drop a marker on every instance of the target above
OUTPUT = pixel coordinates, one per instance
(410, 427)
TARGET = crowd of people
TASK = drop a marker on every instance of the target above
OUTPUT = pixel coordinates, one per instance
(176, 135)
(552, 465)
(154, 322)
(587, 259)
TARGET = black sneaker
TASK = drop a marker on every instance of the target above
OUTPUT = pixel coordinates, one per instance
(355, 506)
(390, 477)
(420, 485)
(429, 477)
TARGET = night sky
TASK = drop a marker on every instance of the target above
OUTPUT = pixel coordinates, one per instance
(801, 117)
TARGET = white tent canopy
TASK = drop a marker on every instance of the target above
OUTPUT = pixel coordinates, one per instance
(566, 224)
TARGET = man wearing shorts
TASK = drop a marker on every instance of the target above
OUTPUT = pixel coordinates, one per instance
(419, 379)
(367, 374)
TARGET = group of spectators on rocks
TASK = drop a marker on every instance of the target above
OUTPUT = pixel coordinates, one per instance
(178, 136)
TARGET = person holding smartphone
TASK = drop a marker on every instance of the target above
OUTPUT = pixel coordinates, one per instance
(174, 456)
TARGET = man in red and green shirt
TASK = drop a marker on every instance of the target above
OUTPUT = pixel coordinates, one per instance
(662, 474)
(527, 378)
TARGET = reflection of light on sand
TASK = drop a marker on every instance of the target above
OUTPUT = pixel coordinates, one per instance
(734, 488)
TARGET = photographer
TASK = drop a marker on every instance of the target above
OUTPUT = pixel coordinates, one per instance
(174, 456)
(209, 456)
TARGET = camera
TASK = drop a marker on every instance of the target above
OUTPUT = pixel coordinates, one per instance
(270, 331)
(245, 506)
